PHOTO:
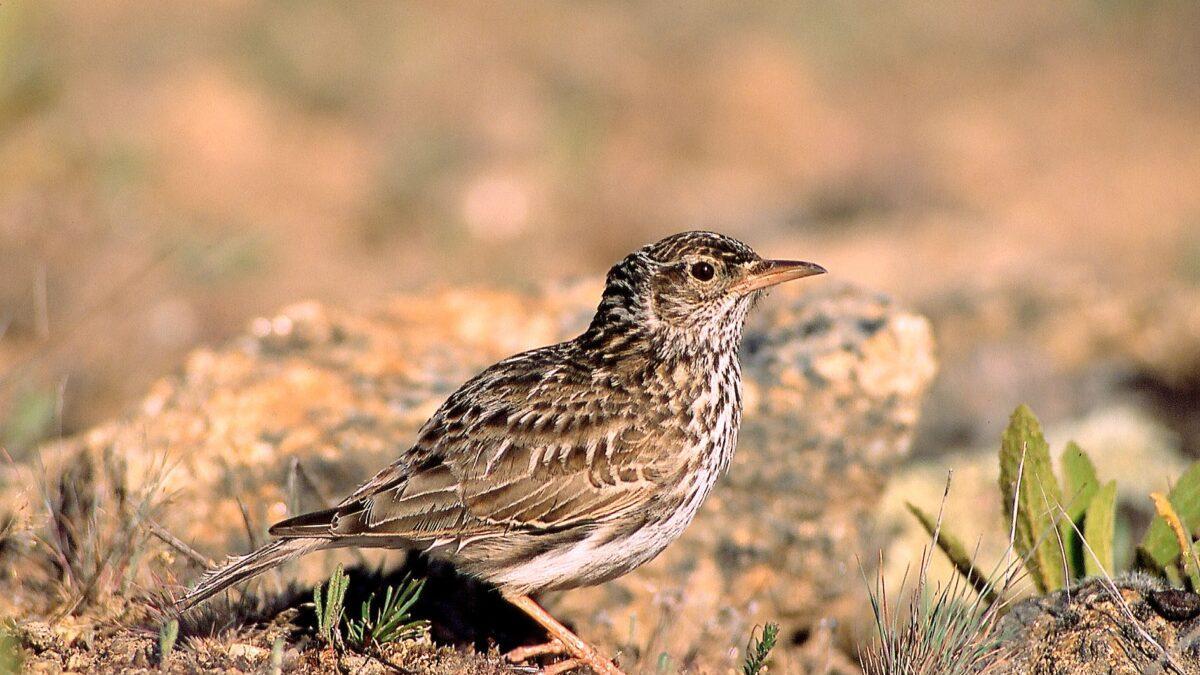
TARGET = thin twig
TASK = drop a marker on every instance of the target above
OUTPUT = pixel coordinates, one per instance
(250, 534)
(179, 545)
(312, 485)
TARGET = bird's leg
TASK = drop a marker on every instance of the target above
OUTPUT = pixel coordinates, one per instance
(581, 652)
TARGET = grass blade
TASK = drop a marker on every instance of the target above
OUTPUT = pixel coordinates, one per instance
(957, 553)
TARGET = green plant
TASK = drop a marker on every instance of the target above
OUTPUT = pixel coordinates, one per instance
(11, 658)
(275, 663)
(1064, 532)
(957, 553)
(330, 608)
(1099, 531)
(951, 631)
(391, 623)
(168, 633)
(1061, 531)
(758, 650)
(1160, 550)
(1079, 488)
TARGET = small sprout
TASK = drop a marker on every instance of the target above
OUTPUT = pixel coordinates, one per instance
(391, 623)
(168, 633)
(330, 608)
(275, 665)
(759, 650)
(945, 630)
(11, 659)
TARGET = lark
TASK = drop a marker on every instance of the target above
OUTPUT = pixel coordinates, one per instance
(571, 464)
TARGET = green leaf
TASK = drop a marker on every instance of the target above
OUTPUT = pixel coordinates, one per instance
(1099, 531)
(1159, 548)
(168, 633)
(330, 607)
(1079, 487)
(275, 662)
(1079, 480)
(12, 655)
(957, 553)
(1188, 561)
(1027, 477)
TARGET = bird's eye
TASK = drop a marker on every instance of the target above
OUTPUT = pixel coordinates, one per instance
(703, 271)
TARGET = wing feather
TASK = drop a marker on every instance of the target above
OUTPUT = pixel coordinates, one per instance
(494, 458)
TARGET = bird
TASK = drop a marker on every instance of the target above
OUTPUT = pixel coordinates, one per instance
(571, 464)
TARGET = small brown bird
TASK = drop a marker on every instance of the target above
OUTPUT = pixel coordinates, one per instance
(572, 464)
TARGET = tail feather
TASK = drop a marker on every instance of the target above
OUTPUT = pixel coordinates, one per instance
(314, 524)
(241, 568)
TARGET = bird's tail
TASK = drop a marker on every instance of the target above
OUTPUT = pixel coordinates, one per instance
(241, 568)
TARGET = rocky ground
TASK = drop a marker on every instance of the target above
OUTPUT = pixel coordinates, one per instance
(313, 400)
(1132, 625)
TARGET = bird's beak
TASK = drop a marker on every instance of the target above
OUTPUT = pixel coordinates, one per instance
(771, 272)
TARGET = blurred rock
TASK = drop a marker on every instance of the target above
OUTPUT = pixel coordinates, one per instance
(1065, 344)
(833, 385)
(1133, 625)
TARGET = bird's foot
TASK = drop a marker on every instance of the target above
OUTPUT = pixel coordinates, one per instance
(561, 667)
(588, 657)
(551, 648)
(563, 641)
(523, 654)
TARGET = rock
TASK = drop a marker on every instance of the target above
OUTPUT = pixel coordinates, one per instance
(1066, 345)
(1129, 625)
(833, 386)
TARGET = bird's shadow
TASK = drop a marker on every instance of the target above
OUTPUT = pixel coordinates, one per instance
(462, 611)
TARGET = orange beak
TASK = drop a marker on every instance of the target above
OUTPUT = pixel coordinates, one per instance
(772, 272)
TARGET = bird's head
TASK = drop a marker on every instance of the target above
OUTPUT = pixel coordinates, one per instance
(690, 289)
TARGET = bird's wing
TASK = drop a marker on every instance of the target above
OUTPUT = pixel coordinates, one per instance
(499, 456)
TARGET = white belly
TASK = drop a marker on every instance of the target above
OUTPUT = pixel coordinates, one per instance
(600, 557)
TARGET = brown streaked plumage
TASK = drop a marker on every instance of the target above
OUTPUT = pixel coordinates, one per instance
(571, 464)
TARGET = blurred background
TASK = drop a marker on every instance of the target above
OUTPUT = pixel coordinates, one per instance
(170, 170)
